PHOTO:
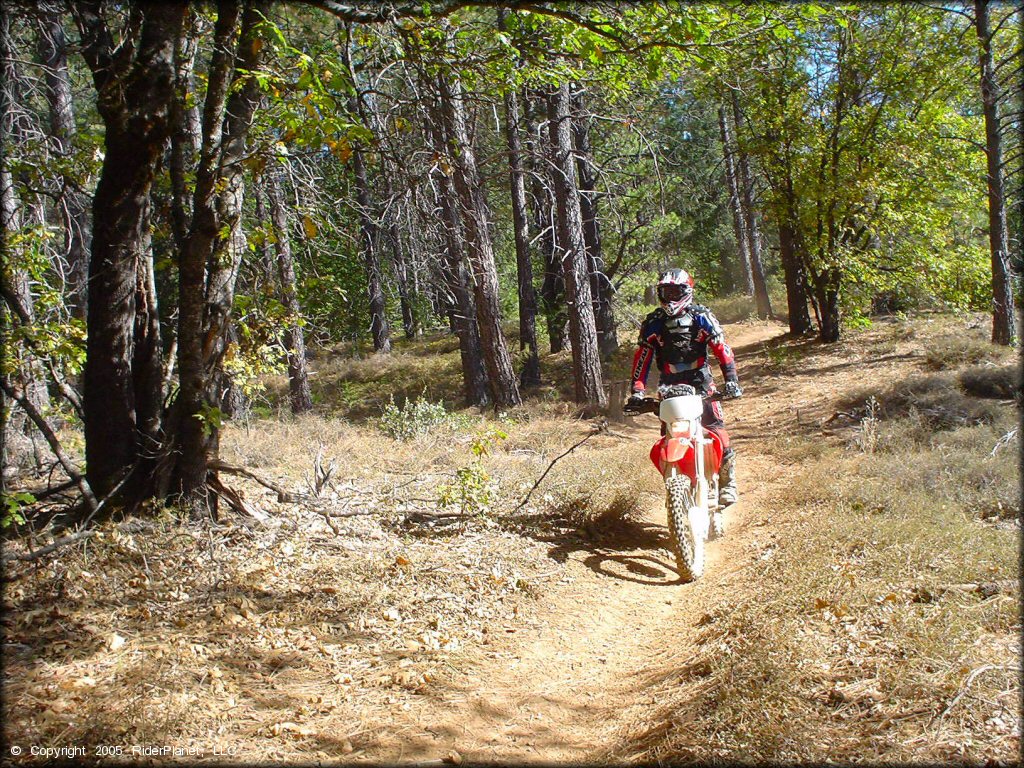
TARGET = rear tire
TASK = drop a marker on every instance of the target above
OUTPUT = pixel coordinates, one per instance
(687, 548)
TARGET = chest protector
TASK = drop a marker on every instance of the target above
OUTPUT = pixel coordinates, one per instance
(679, 340)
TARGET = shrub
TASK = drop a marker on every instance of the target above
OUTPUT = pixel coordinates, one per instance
(990, 381)
(472, 493)
(958, 350)
(412, 418)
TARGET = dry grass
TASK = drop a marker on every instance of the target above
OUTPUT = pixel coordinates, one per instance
(959, 347)
(741, 308)
(992, 381)
(356, 386)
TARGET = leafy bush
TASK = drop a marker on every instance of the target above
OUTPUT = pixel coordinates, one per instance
(472, 492)
(412, 418)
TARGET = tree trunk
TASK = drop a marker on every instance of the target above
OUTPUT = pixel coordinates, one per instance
(379, 328)
(398, 255)
(195, 417)
(572, 243)
(462, 306)
(601, 289)
(745, 179)
(405, 297)
(228, 395)
(186, 131)
(294, 339)
(265, 250)
(28, 374)
(530, 374)
(362, 103)
(796, 280)
(414, 266)
(213, 253)
(1003, 318)
(552, 286)
(468, 187)
(133, 103)
(826, 293)
(739, 220)
(5, 346)
(71, 201)
(225, 261)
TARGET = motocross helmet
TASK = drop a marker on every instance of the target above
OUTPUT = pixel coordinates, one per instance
(675, 291)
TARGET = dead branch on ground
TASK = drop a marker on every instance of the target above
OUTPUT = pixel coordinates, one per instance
(52, 547)
(596, 431)
(283, 496)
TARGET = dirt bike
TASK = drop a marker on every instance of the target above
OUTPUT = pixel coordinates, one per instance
(688, 457)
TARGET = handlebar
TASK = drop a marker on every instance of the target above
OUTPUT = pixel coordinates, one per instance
(651, 404)
(635, 408)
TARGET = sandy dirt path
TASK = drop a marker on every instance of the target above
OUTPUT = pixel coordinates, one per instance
(562, 685)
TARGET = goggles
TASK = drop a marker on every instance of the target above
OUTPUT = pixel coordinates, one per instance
(673, 292)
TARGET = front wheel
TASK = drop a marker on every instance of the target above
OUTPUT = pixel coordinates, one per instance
(686, 539)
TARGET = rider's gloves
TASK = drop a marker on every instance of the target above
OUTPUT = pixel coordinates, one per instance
(732, 389)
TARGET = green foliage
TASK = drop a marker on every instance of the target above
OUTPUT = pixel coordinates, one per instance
(211, 417)
(53, 334)
(854, 319)
(855, 126)
(472, 493)
(413, 418)
(485, 440)
(259, 348)
(13, 503)
(777, 359)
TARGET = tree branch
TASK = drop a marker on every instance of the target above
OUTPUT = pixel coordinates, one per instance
(282, 495)
(54, 443)
(53, 547)
(600, 428)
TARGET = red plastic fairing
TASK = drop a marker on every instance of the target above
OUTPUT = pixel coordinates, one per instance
(656, 454)
(670, 450)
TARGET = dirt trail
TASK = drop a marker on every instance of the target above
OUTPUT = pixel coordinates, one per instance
(562, 685)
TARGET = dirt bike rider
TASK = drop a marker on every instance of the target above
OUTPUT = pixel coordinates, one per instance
(678, 335)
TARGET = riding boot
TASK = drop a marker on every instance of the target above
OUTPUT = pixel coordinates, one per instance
(727, 479)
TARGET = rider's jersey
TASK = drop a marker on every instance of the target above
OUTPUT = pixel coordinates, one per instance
(680, 346)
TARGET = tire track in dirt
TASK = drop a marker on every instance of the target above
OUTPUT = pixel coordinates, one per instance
(562, 686)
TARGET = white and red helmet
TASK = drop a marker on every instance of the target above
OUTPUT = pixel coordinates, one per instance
(675, 290)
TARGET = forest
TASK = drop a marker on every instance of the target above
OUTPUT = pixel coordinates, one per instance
(232, 220)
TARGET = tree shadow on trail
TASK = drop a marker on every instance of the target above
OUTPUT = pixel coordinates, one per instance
(620, 548)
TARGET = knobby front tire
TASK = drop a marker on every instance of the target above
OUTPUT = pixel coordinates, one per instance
(687, 547)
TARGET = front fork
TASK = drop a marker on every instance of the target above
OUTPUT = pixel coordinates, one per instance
(702, 448)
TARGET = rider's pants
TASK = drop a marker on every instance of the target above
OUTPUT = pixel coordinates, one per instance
(714, 421)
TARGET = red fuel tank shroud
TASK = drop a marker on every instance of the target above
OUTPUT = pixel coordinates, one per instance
(670, 450)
